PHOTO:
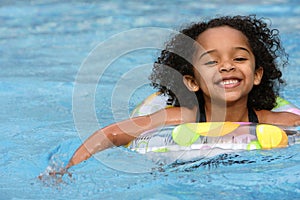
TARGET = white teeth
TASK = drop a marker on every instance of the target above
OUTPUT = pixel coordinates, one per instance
(228, 82)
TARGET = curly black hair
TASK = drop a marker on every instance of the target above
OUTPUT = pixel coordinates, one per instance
(175, 61)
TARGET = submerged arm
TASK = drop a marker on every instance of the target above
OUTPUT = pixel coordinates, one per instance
(122, 133)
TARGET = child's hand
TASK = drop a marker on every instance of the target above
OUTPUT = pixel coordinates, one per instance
(53, 177)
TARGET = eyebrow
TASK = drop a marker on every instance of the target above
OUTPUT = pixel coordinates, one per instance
(242, 48)
(214, 50)
(206, 52)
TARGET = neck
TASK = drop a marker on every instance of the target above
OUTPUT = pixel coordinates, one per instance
(237, 112)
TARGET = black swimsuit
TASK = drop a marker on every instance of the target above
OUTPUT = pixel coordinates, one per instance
(201, 115)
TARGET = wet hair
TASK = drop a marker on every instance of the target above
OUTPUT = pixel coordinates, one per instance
(175, 61)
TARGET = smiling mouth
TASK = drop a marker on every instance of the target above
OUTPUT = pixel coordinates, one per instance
(229, 83)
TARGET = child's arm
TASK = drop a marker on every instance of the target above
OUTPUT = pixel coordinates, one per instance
(122, 133)
(279, 118)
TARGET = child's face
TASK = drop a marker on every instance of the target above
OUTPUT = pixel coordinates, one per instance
(224, 66)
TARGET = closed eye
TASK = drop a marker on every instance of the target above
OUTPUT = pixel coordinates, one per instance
(211, 62)
(240, 59)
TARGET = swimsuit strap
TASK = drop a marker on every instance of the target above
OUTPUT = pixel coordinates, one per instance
(252, 116)
(201, 115)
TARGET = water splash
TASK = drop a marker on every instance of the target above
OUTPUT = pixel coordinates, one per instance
(55, 173)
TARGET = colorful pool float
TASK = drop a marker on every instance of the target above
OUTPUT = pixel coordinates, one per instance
(197, 140)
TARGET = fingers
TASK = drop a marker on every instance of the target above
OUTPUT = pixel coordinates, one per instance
(80, 155)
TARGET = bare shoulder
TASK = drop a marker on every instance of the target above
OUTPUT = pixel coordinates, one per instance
(279, 118)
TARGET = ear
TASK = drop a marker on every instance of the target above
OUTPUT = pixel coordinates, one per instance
(258, 74)
(191, 83)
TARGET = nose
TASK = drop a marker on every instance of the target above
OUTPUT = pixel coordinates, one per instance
(227, 67)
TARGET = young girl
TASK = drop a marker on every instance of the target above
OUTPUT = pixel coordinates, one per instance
(229, 72)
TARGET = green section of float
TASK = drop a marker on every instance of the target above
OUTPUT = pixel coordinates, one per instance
(281, 102)
(184, 136)
(162, 150)
(253, 145)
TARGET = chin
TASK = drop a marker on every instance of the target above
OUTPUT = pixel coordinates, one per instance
(228, 99)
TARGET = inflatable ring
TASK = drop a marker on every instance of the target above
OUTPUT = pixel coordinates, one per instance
(193, 141)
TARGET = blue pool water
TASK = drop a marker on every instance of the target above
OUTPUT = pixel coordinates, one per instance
(49, 103)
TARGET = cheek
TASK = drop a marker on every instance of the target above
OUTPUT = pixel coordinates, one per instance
(204, 80)
(205, 76)
(251, 75)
